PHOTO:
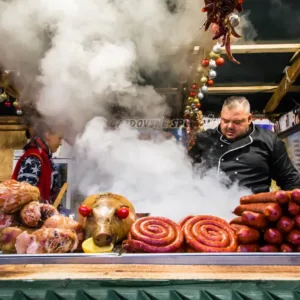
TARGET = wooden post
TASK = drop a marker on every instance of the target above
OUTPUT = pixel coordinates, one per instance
(248, 89)
(292, 73)
(12, 137)
(264, 48)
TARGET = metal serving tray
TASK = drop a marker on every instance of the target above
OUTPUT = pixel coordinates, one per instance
(161, 259)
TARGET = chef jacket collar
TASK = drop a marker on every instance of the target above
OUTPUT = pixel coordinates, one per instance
(241, 141)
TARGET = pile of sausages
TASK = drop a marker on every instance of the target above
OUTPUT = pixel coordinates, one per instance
(192, 234)
(268, 222)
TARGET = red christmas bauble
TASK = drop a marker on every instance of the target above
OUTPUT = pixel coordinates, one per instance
(192, 94)
(220, 61)
(195, 86)
(205, 62)
(8, 104)
(210, 82)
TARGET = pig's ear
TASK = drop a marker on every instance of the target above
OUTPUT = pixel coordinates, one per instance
(123, 212)
(90, 201)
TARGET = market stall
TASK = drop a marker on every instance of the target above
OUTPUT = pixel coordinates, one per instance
(256, 260)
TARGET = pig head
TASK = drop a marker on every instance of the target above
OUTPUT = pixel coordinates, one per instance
(107, 218)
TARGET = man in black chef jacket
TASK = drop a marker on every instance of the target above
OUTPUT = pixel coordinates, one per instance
(246, 153)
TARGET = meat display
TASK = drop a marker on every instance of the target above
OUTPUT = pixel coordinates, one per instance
(271, 211)
(62, 222)
(47, 240)
(65, 228)
(14, 195)
(275, 216)
(106, 218)
(266, 248)
(248, 248)
(285, 224)
(209, 234)
(266, 222)
(273, 236)
(8, 237)
(268, 197)
(34, 213)
(20, 217)
(252, 219)
(154, 235)
(245, 234)
(184, 220)
(8, 220)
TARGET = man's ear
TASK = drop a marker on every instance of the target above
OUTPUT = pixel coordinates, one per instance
(47, 135)
(250, 118)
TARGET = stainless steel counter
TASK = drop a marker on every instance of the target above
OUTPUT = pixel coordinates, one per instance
(287, 259)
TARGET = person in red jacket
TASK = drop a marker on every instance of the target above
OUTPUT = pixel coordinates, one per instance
(35, 166)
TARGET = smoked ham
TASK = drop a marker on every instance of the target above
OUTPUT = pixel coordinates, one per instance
(47, 240)
(34, 213)
(14, 195)
(62, 222)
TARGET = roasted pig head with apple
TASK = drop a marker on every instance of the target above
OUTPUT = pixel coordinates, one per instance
(106, 218)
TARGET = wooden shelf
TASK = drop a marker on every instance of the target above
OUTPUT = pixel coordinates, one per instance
(148, 272)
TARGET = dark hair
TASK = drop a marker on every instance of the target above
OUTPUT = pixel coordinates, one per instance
(33, 120)
(41, 127)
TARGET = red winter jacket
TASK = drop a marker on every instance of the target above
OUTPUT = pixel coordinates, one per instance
(36, 148)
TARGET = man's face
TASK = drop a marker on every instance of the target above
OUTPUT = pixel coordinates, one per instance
(53, 141)
(234, 122)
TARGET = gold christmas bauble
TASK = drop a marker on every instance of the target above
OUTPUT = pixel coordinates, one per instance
(200, 69)
(214, 55)
(203, 79)
(4, 96)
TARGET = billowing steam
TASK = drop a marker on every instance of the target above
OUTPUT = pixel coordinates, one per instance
(87, 56)
(246, 29)
(156, 175)
(90, 53)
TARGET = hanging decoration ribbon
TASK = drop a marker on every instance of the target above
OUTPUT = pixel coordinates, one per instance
(287, 78)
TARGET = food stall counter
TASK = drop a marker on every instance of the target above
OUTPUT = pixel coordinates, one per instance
(190, 276)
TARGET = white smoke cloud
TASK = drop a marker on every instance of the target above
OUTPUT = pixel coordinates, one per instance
(94, 50)
(156, 177)
(88, 55)
(246, 29)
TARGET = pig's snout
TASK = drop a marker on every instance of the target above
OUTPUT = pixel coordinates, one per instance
(102, 237)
